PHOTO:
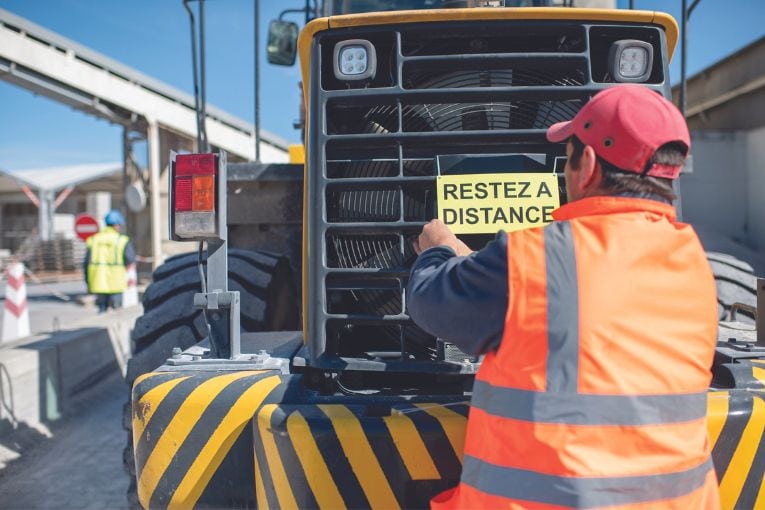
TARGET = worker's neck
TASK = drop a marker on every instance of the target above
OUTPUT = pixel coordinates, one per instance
(599, 192)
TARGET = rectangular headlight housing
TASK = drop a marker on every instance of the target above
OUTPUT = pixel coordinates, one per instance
(630, 61)
(354, 60)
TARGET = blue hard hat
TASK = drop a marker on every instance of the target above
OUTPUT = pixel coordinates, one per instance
(114, 217)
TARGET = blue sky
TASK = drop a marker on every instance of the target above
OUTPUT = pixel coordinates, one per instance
(152, 36)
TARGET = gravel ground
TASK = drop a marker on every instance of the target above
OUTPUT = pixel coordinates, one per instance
(80, 466)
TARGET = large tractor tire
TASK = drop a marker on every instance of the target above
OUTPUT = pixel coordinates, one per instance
(267, 299)
(736, 283)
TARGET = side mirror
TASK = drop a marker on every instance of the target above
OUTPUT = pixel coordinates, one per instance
(282, 42)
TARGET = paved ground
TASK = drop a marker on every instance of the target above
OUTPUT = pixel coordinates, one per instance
(80, 467)
(52, 305)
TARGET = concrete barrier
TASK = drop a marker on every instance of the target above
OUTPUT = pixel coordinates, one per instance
(40, 374)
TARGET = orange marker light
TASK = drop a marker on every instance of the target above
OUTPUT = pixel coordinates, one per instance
(203, 193)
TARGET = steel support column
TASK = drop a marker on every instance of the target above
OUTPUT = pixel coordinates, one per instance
(125, 165)
(45, 212)
(154, 190)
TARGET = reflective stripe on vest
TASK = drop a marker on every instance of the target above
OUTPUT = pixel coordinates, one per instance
(106, 267)
(591, 492)
(580, 409)
(562, 309)
(555, 418)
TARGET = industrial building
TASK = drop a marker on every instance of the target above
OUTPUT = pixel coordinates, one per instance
(726, 115)
(155, 117)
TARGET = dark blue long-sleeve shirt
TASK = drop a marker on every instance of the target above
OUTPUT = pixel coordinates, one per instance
(461, 299)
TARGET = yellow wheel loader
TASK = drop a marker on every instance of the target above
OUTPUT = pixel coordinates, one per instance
(235, 405)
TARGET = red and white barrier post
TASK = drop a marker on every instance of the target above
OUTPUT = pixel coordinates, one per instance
(130, 296)
(15, 309)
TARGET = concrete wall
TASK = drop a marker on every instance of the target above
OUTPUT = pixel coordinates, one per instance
(726, 190)
(755, 164)
(39, 375)
(715, 194)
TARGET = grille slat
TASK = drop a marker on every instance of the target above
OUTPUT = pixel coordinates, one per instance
(365, 180)
(525, 92)
(513, 57)
(495, 74)
(377, 226)
(463, 137)
(370, 319)
(357, 271)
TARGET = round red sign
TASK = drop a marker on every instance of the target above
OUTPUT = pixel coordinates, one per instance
(85, 226)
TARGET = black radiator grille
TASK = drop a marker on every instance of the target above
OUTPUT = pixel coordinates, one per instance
(408, 201)
(492, 38)
(448, 89)
(367, 251)
(348, 206)
(492, 73)
(489, 115)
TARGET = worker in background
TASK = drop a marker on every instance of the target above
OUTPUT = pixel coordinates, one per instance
(109, 252)
(598, 330)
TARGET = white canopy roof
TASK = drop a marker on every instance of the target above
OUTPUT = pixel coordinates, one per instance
(56, 178)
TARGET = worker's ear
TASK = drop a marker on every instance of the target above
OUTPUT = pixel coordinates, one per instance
(590, 172)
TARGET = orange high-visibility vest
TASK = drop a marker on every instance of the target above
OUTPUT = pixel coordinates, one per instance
(596, 396)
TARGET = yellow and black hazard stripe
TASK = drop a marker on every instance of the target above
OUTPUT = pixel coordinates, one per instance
(736, 424)
(351, 456)
(758, 373)
(196, 444)
(190, 432)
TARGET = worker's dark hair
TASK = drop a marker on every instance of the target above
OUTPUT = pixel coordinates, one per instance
(616, 180)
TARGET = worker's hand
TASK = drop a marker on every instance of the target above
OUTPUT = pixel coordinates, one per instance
(436, 233)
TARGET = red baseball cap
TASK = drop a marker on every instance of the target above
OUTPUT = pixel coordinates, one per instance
(625, 124)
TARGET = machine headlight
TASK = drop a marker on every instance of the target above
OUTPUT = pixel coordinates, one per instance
(355, 60)
(630, 61)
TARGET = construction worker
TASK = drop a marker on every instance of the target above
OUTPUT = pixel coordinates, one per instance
(108, 254)
(598, 330)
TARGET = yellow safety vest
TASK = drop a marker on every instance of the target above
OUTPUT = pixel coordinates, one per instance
(106, 267)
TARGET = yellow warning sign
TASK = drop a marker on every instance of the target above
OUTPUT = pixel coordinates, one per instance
(487, 203)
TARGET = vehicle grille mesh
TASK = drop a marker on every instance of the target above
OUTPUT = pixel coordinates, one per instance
(452, 90)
